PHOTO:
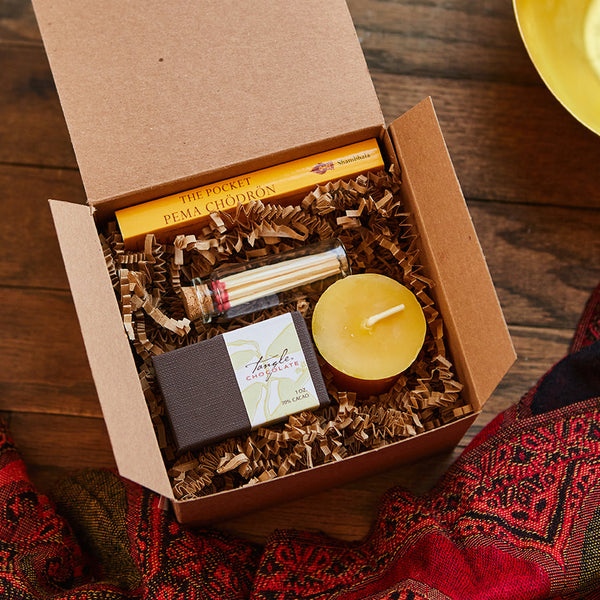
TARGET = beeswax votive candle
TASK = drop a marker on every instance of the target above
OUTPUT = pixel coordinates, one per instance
(369, 328)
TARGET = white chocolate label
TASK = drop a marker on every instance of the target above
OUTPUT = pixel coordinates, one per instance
(271, 370)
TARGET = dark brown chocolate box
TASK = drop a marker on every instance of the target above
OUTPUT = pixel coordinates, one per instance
(201, 392)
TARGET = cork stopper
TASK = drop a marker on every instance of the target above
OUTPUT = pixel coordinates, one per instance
(197, 302)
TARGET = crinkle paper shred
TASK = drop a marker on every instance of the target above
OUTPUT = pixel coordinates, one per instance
(368, 216)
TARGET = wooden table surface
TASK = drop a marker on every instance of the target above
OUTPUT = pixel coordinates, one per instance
(530, 173)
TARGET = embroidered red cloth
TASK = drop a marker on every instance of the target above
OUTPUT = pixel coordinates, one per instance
(516, 517)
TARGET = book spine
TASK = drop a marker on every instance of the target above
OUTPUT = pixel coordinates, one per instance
(285, 182)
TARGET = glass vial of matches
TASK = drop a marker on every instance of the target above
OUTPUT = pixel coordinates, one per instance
(234, 290)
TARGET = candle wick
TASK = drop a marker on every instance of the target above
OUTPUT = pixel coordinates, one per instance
(383, 315)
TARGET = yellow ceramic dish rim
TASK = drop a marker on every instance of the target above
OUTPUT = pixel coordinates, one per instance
(593, 124)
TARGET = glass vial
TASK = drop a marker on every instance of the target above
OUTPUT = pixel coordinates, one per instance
(242, 288)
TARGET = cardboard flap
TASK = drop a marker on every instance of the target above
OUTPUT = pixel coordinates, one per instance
(464, 290)
(229, 503)
(163, 96)
(123, 405)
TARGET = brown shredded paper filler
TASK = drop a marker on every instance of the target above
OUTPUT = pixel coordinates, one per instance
(368, 216)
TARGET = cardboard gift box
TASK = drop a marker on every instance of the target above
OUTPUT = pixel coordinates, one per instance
(161, 98)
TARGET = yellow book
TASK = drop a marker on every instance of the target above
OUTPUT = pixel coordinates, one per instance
(287, 181)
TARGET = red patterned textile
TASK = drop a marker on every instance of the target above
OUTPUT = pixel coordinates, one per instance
(516, 517)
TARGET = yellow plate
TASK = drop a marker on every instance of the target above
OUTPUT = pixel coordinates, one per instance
(562, 38)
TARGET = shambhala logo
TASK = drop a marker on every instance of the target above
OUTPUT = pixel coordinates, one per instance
(323, 167)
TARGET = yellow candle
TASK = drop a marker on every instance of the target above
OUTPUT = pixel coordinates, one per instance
(369, 329)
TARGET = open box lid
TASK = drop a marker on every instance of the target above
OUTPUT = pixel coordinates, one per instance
(479, 340)
(162, 96)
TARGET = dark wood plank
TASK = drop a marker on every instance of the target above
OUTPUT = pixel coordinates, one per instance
(456, 40)
(508, 142)
(59, 442)
(32, 128)
(45, 478)
(31, 256)
(17, 23)
(545, 260)
(45, 368)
